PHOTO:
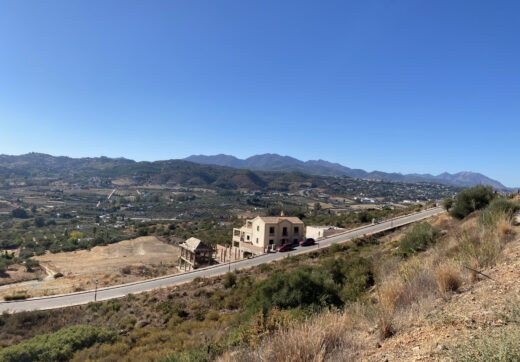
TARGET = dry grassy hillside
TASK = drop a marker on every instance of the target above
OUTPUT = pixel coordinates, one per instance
(428, 307)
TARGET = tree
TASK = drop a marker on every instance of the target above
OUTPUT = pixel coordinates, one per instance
(19, 213)
(448, 203)
(30, 264)
(420, 238)
(3, 266)
(39, 221)
(316, 208)
(472, 199)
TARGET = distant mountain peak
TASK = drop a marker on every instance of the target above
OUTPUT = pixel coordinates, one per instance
(276, 162)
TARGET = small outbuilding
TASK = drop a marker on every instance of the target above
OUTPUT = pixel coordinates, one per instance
(194, 253)
(320, 232)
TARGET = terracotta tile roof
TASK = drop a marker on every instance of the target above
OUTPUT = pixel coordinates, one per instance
(277, 219)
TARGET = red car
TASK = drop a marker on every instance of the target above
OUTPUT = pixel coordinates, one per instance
(285, 247)
(307, 242)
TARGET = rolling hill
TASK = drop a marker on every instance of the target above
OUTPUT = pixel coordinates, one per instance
(275, 162)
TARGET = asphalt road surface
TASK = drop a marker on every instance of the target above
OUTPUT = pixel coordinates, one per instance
(65, 300)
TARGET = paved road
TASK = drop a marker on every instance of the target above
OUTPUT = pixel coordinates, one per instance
(64, 300)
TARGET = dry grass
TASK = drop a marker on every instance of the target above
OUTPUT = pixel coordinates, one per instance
(504, 230)
(479, 246)
(448, 278)
(328, 337)
(406, 295)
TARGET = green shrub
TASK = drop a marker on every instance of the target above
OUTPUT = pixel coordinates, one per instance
(447, 204)
(142, 232)
(502, 346)
(303, 287)
(18, 296)
(58, 346)
(3, 266)
(472, 199)
(19, 213)
(334, 248)
(127, 322)
(31, 264)
(422, 236)
(357, 278)
(230, 279)
(499, 209)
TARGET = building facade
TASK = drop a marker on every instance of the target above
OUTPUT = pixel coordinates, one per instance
(265, 233)
(194, 253)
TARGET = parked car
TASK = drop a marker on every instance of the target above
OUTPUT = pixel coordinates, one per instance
(285, 247)
(307, 242)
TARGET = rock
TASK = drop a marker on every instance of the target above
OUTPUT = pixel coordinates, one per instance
(378, 345)
(442, 347)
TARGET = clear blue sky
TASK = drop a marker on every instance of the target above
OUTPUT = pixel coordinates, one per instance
(407, 86)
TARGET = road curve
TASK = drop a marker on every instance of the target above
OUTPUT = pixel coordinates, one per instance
(118, 291)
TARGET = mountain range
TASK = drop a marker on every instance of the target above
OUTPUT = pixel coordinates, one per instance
(275, 162)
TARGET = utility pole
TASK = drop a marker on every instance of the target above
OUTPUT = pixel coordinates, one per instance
(95, 292)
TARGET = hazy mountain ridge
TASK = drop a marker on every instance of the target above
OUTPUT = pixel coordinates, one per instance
(275, 162)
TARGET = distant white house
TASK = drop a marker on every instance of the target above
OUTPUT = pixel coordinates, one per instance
(320, 232)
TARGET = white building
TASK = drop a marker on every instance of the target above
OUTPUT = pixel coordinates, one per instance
(320, 232)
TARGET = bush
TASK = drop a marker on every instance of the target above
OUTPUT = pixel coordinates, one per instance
(497, 211)
(58, 346)
(447, 204)
(18, 296)
(3, 266)
(478, 249)
(472, 199)
(30, 264)
(19, 213)
(303, 287)
(142, 232)
(39, 222)
(447, 276)
(501, 346)
(327, 337)
(422, 236)
(334, 248)
(357, 278)
(230, 279)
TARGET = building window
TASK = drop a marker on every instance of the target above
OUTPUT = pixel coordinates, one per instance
(247, 237)
(296, 229)
(271, 242)
(295, 241)
(258, 228)
(257, 240)
(271, 230)
(284, 231)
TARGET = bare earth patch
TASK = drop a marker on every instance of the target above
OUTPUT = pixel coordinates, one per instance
(145, 250)
(122, 262)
